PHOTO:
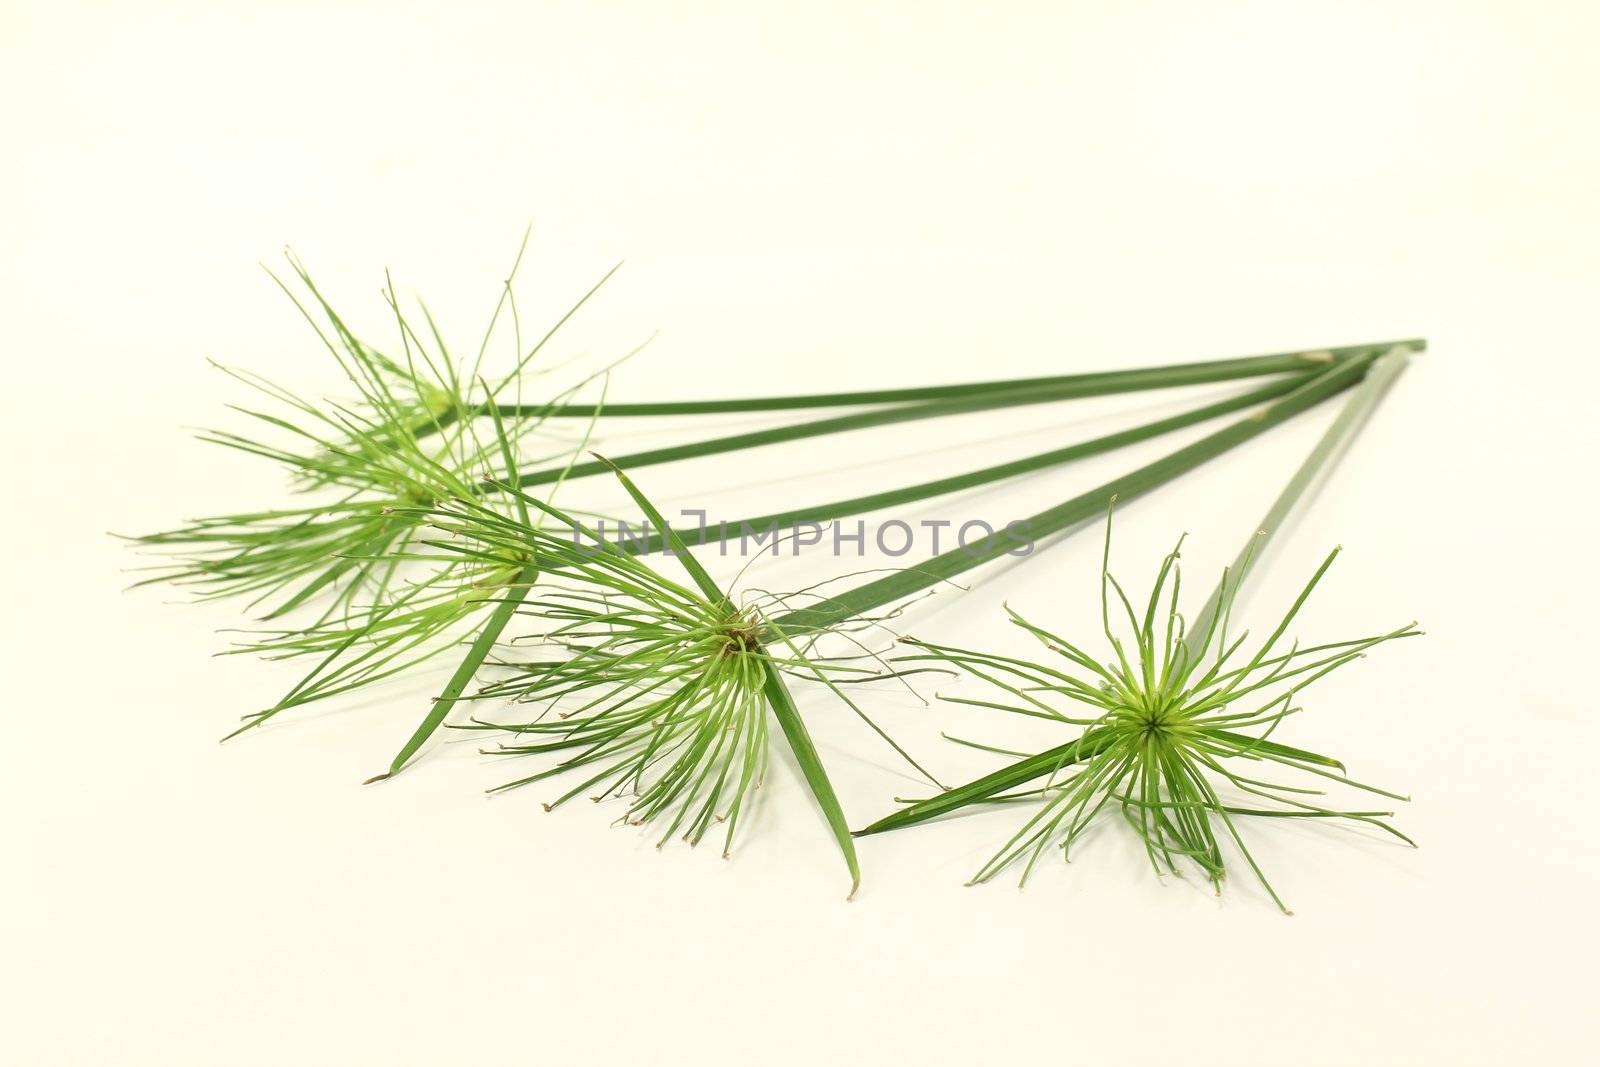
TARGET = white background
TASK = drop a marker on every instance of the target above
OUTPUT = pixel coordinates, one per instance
(821, 195)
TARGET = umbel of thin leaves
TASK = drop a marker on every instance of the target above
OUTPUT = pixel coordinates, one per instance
(665, 708)
(642, 687)
(412, 436)
(1178, 729)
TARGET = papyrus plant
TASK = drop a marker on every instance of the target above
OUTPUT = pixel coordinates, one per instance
(1173, 724)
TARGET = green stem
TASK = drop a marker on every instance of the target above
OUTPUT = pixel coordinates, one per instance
(860, 505)
(1096, 383)
(942, 568)
(985, 399)
(1351, 418)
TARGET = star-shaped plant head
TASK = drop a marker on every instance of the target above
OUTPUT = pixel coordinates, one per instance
(652, 690)
(448, 587)
(1173, 726)
(415, 433)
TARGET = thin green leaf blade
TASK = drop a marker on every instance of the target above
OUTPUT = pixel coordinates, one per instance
(816, 776)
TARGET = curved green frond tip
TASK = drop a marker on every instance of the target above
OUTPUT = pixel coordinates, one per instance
(1167, 727)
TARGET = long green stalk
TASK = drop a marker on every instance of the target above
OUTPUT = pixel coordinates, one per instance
(982, 400)
(902, 584)
(860, 505)
(1097, 383)
(1338, 436)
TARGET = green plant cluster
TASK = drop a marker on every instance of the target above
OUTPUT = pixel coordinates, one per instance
(426, 525)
